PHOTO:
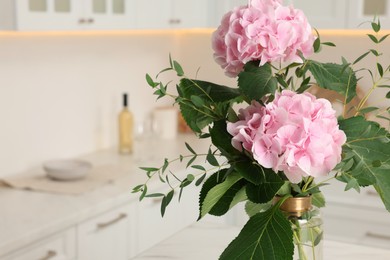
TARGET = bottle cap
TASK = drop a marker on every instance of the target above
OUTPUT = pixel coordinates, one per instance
(125, 99)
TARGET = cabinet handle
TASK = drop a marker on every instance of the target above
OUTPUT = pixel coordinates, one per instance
(111, 222)
(50, 254)
(82, 21)
(90, 20)
(379, 236)
(174, 21)
(372, 193)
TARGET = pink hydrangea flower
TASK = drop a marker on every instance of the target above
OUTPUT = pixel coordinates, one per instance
(295, 133)
(266, 31)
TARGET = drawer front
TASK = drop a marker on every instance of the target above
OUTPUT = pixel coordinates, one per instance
(61, 246)
(357, 225)
(107, 236)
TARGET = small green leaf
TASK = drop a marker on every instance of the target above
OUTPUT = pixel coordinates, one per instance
(177, 67)
(137, 188)
(331, 44)
(144, 191)
(200, 180)
(376, 26)
(317, 45)
(150, 81)
(352, 183)
(191, 161)
(190, 148)
(149, 169)
(373, 38)
(166, 163)
(190, 177)
(211, 159)
(361, 57)
(380, 69)
(367, 110)
(165, 202)
(384, 38)
(375, 52)
(388, 95)
(154, 195)
(198, 167)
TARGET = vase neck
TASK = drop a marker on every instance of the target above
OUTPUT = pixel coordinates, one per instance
(295, 206)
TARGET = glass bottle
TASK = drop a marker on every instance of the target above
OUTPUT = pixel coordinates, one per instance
(306, 223)
(126, 125)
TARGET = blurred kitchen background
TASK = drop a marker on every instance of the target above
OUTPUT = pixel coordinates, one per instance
(64, 65)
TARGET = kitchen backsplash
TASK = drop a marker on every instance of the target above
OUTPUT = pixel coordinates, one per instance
(60, 93)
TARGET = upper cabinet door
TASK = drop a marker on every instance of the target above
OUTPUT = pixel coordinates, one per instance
(74, 14)
(153, 14)
(191, 14)
(47, 14)
(329, 14)
(109, 14)
(361, 12)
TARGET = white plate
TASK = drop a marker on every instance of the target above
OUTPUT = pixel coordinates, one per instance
(67, 170)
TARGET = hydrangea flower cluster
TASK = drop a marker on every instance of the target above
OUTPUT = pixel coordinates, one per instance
(295, 133)
(266, 31)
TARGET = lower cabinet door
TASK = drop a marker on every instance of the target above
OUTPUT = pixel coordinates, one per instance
(107, 236)
(60, 246)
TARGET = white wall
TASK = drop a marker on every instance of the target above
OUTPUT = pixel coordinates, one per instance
(60, 93)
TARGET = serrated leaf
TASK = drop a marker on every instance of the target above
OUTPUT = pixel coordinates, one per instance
(255, 82)
(266, 236)
(217, 192)
(197, 101)
(265, 191)
(340, 78)
(251, 172)
(222, 139)
(252, 209)
(369, 142)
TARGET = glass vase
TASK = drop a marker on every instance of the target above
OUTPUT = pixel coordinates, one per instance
(306, 223)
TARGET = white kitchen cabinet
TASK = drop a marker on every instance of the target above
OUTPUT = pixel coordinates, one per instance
(361, 12)
(152, 228)
(221, 7)
(163, 14)
(61, 246)
(108, 236)
(323, 14)
(31, 15)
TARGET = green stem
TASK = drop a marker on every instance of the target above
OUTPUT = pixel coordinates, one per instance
(297, 235)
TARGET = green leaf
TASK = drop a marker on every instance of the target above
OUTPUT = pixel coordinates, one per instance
(331, 44)
(340, 78)
(222, 139)
(368, 142)
(388, 95)
(255, 82)
(265, 191)
(376, 26)
(317, 45)
(251, 172)
(373, 38)
(380, 69)
(150, 81)
(217, 192)
(200, 180)
(190, 148)
(165, 202)
(210, 183)
(198, 167)
(252, 209)
(367, 110)
(197, 101)
(154, 195)
(384, 38)
(227, 200)
(361, 57)
(177, 67)
(318, 200)
(211, 159)
(266, 236)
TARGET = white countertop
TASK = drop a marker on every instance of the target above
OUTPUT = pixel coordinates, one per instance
(27, 216)
(207, 241)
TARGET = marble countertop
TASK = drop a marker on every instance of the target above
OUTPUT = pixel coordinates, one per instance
(206, 241)
(27, 216)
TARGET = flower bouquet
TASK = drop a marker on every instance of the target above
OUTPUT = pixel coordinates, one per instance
(274, 144)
